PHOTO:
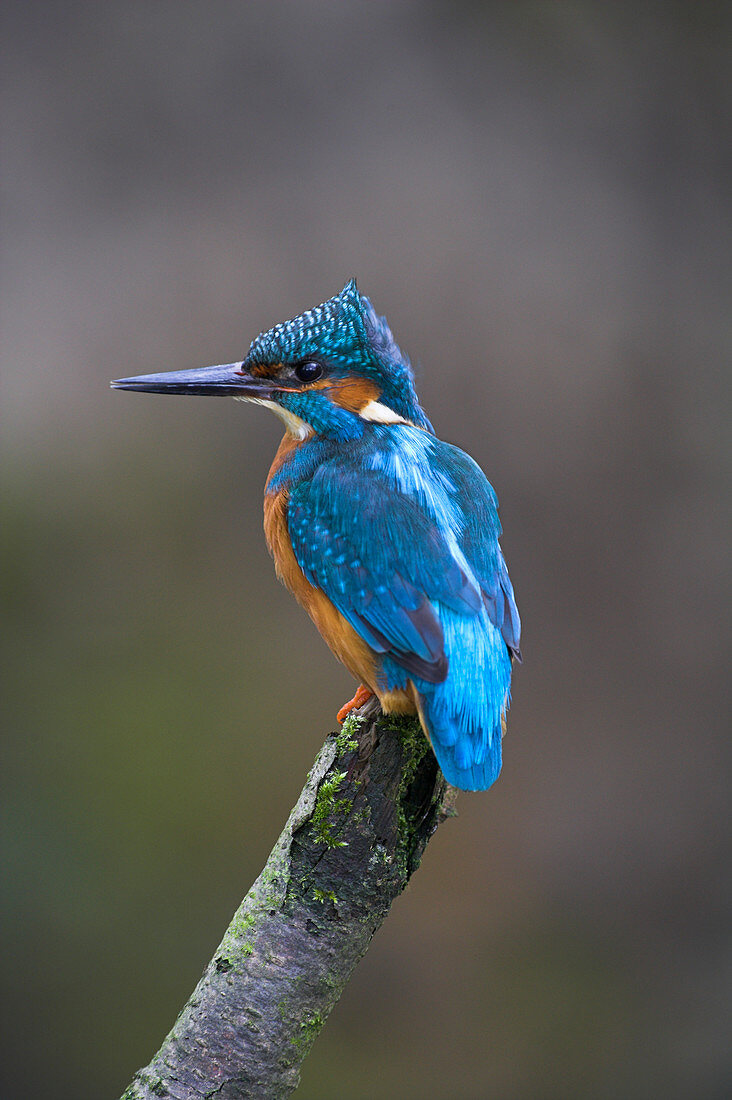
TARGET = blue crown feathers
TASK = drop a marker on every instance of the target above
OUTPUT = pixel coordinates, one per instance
(347, 332)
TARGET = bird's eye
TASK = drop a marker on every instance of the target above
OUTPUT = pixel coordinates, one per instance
(308, 371)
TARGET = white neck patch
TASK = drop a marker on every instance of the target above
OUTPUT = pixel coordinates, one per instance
(297, 428)
(381, 414)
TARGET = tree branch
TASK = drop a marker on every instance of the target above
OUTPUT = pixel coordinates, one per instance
(372, 799)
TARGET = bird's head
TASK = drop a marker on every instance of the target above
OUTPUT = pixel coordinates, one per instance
(329, 371)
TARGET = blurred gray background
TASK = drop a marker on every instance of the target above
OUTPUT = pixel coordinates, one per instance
(534, 193)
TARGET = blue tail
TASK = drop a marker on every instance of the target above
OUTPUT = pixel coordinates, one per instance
(463, 714)
(470, 759)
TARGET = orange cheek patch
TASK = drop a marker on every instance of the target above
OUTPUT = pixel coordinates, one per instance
(354, 394)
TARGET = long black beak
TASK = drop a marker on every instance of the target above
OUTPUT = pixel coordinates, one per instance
(230, 380)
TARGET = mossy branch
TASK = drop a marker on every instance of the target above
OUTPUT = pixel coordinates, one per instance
(372, 799)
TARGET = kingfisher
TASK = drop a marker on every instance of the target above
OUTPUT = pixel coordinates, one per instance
(386, 535)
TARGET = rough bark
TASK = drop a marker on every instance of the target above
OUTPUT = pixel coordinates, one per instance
(372, 799)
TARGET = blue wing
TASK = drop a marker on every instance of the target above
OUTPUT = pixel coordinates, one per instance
(382, 561)
(480, 545)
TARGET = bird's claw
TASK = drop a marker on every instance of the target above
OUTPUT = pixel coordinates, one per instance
(362, 696)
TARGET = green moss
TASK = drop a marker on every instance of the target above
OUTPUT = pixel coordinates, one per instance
(150, 1082)
(238, 943)
(269, 883)
(242, 923)
(347, 739)
(309, 1030)
(415, 748)
(415, 745)
(324, 895)
(328, 807)
(360, 817)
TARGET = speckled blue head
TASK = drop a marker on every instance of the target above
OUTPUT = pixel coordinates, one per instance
(351, 339)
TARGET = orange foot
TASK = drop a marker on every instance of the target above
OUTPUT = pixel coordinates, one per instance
(362, 696)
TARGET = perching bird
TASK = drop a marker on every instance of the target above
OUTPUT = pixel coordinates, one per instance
(387, 536)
